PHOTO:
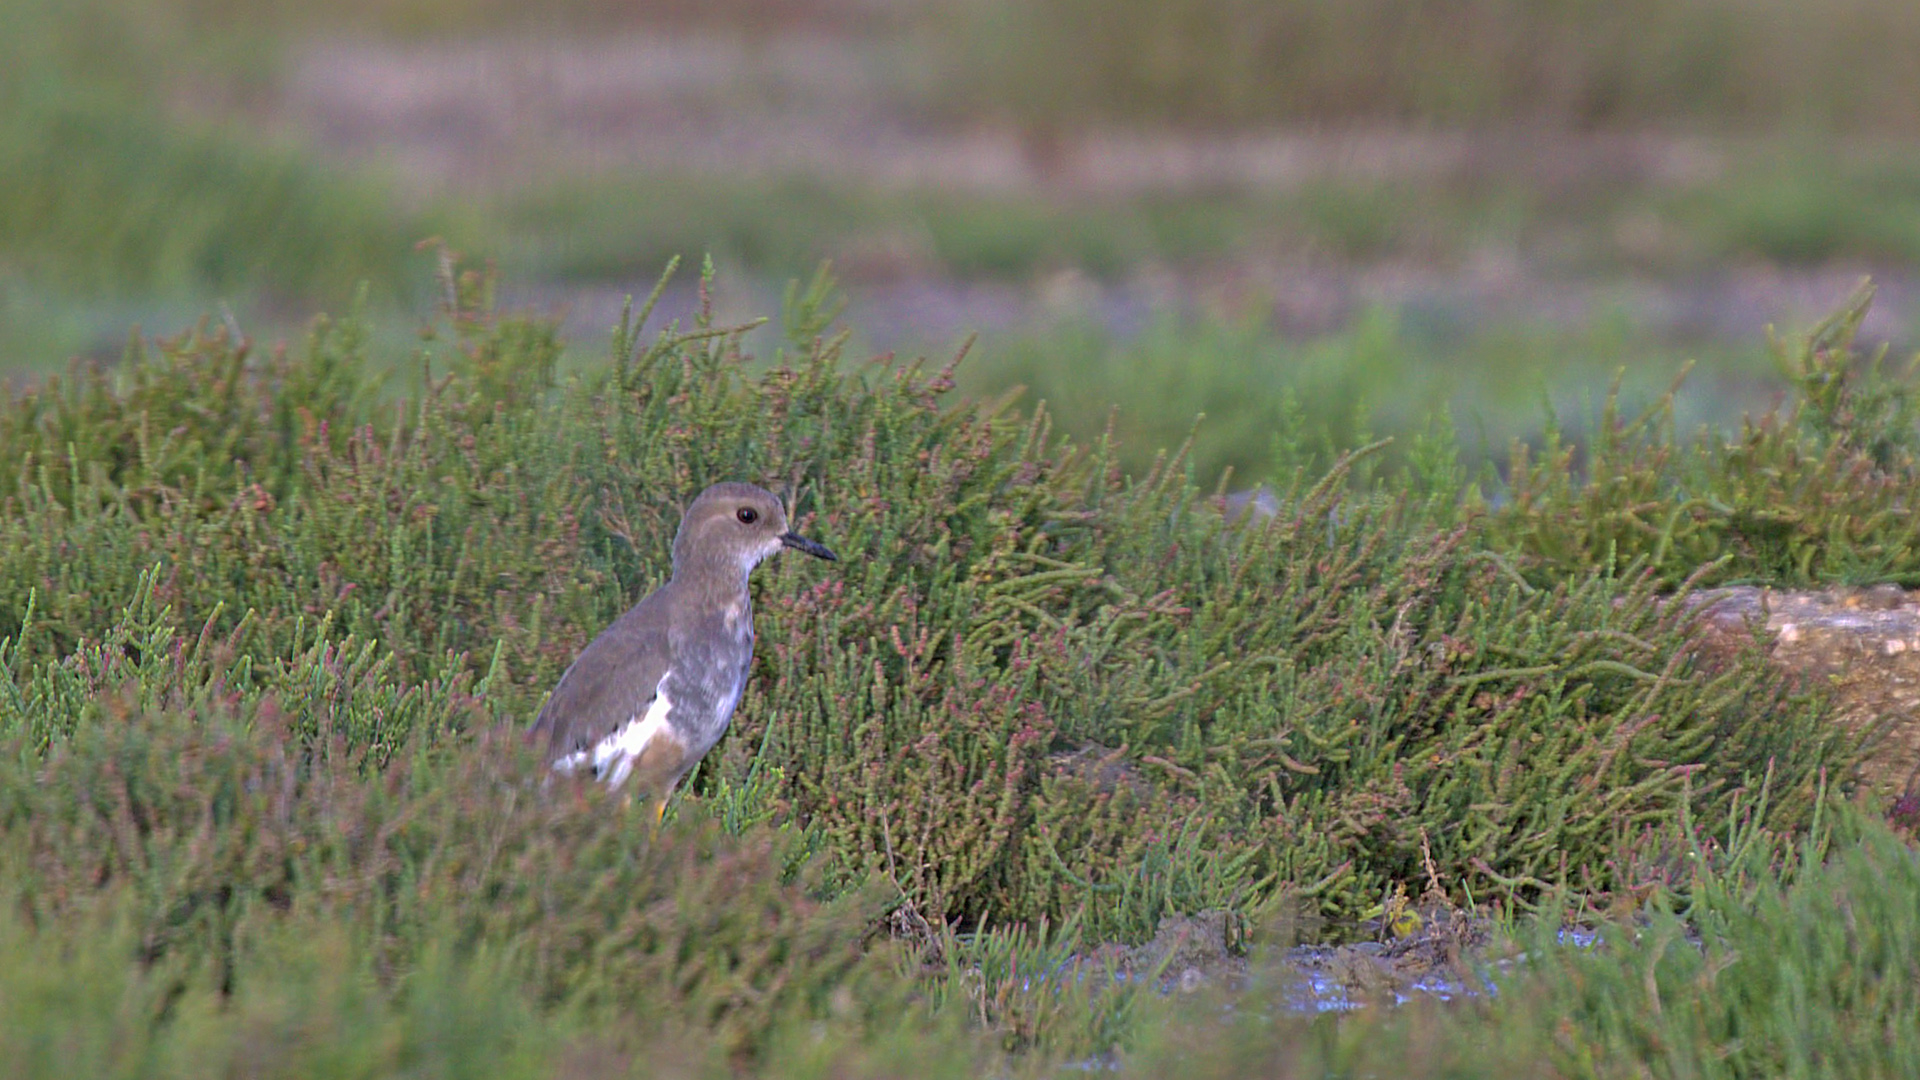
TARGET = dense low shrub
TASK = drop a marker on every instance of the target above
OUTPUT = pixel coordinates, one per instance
(1817, 491)
(277, 626)
(1036, 687)
(200, 832)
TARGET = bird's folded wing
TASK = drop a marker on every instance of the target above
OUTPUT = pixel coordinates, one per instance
(613, 681)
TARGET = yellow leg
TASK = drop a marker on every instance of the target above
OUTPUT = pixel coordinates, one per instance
(655, 803)
(658, 803)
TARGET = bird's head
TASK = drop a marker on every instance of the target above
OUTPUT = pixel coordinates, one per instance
(736, 526)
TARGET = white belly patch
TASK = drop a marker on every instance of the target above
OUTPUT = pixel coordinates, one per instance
(612, 758)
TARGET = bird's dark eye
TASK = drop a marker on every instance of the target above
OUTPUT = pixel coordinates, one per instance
(747, 515)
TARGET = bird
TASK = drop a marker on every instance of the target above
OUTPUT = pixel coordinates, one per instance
(649, 697)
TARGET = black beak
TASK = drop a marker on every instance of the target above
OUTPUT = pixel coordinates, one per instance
(801, 543)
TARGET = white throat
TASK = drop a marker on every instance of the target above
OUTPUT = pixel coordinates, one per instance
(753, 557)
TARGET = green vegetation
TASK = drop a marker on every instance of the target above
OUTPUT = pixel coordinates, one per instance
(1698, 64)
(1010, 598)
(98, 199)
(1383, 376)
(272, 618)
(1800, 495)
(1778, 987)
(105, 194)
(1813, 975)
(274, 627)
(114, 188)
(1814, 492)
(1695, 64)
(1794, 203)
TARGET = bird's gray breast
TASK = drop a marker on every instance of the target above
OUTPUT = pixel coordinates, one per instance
(709, 673)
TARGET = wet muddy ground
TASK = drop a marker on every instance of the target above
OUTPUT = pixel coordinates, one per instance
(1446, 957)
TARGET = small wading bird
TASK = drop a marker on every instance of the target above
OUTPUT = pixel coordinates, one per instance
(651, 695)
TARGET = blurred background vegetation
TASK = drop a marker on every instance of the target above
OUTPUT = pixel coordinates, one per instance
(1370, 208)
